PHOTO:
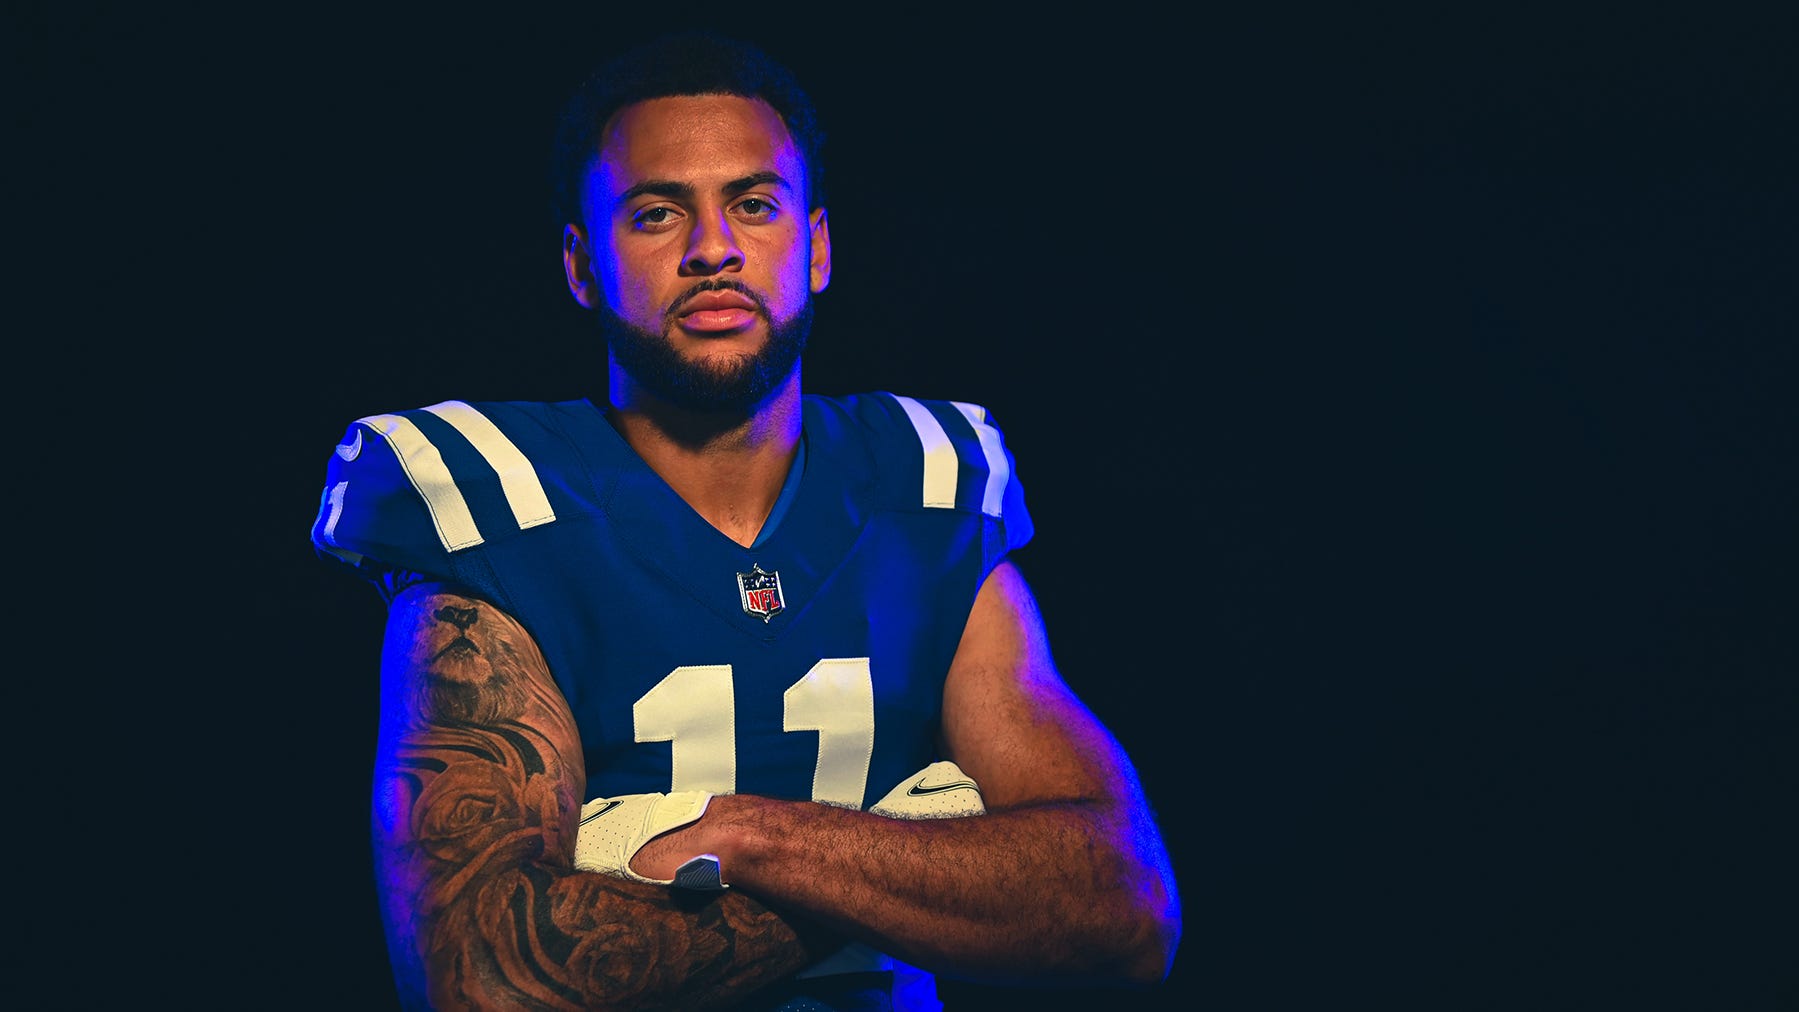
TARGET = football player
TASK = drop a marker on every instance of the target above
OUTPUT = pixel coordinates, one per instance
(712, 691)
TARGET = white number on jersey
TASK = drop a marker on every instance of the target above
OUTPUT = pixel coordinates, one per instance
(695, 709)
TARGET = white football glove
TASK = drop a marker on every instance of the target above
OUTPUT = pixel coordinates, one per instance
(939, 791)
(612, 830)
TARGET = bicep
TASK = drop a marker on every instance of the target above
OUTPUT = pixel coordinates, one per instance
(478, 758)
(1009, 719)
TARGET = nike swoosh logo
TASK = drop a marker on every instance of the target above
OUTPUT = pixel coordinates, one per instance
(352, 449)
(610, 805)
(919, 790)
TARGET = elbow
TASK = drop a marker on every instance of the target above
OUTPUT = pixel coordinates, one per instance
(1156, 957)
(1130, 948)
(1156, 938)
(1134, 929)
(1151, 913)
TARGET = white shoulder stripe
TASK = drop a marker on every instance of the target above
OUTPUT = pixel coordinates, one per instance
(424, 467)
(939, 454)
(997, 471)
(518, 479)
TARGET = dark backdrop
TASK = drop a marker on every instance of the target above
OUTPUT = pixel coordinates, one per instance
(1405, 403)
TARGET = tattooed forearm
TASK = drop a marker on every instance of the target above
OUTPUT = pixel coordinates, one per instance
(478, 787)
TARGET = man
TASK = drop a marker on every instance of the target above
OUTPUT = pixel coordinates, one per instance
(772, 640)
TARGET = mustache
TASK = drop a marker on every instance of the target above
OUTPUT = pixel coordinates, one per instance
(715, 285)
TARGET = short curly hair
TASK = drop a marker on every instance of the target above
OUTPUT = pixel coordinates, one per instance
(686, 63)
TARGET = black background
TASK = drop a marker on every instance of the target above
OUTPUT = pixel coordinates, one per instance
(1405, 402)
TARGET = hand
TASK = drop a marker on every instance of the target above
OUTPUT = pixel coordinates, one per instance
(613, 829)
(939, 791)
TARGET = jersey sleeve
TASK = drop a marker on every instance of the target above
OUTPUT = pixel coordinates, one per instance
(427, 490)
(372, 516)
(963, 464)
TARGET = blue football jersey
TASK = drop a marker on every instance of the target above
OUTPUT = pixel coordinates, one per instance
(810, 666)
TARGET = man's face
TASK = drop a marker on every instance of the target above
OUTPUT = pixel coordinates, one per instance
(697, 249)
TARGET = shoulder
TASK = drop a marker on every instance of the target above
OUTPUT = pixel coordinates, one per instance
(931, 454)
(410, 488)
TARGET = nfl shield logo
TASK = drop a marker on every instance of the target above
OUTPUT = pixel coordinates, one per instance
(760, 592)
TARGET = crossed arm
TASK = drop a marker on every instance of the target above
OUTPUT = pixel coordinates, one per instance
(480, 781)
(1065, 878)
(478, 788)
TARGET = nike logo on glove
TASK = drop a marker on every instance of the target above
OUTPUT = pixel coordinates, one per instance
(919, 789)
(610, 805)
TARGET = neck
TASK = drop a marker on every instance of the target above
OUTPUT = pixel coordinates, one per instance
(728, 466)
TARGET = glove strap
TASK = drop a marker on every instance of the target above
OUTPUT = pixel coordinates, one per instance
(700, 874)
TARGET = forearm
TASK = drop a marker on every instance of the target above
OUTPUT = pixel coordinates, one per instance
(485, 908)
(540, 936)
(1044, 891)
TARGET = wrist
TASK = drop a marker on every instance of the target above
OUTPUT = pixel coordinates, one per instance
(748, 831)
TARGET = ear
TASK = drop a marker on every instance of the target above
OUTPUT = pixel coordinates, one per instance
(577, 266)
(821, 250)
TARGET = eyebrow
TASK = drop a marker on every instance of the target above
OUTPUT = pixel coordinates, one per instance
(683, 191)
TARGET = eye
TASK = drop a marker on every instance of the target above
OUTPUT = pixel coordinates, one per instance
(756, 209)
(653, 218)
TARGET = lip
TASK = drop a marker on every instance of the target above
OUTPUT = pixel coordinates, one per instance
(714, 312)
(725, 299)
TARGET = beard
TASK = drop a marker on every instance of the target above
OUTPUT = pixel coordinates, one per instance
(735, 386)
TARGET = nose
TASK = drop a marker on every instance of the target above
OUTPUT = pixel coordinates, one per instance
(711, 247)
